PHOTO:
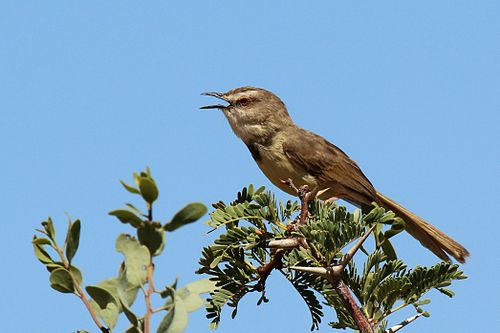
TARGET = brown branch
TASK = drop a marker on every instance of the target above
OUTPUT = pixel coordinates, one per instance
(284, 244)
(265, 271)
(333, 273)
(147, 297)
(345, 295)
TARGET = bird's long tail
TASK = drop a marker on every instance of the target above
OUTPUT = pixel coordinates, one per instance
(430, 236)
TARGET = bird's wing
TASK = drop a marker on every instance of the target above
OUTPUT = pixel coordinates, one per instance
(330, 165)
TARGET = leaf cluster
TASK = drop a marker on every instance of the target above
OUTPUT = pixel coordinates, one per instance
(116, 295)
(383, 286)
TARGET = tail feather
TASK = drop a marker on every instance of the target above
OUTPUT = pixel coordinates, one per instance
(428, 235)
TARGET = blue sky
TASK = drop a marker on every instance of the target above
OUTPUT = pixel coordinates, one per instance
(91, 91)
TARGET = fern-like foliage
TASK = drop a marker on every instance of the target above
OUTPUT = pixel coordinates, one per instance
(383, 285)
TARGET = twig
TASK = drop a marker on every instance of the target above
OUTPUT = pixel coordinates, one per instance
(402, 324)
(284, 244)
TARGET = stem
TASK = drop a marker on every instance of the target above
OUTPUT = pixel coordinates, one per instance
(162, 308)
(150, 212)
(85, 301)
(79, 291)
(147, 297)
(399, 307)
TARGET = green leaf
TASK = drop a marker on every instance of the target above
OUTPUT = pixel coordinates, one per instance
(130, 188)
(72, 239)
(176, 320)
(388, 250)
(148, 189)
(41, 241)
(131, 316)
(422, 302)
(120, 288)
(126, 216)
(77, 275)
(190, 293)
(133, 329)
(215, 262)
(40, 252)
(74, 271)
(153, 237)
(49, 228)
(60, 280)
(137, 259)
(191, 213)
(107, 304)
(395, 229)
(446, 291)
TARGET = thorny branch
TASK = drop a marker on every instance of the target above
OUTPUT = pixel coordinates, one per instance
(276, 262)
(333, 274)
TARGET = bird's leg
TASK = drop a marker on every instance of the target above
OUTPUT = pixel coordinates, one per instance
(304, 203)
(305, 196)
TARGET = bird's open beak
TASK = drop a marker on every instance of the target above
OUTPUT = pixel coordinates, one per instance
(215, 106)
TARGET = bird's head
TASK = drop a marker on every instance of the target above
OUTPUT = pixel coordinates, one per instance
(252, 112)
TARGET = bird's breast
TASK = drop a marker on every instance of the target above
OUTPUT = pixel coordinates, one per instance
(277, 167)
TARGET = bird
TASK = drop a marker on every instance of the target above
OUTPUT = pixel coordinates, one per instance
(284, 151)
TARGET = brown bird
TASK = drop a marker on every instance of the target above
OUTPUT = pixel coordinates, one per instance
(285, 151)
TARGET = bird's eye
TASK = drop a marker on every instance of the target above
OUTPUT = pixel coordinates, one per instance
(244, 101)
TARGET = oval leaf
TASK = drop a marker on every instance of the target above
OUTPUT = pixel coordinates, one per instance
(107, 303)
(41, 254)
(137, 259)
(126, 216)
(153, 237)
(60, 280)
(176, 320)
(72, 240)
(148, 189)
(49, 228)
(190, 293)
(101, 296)
(130, 188)
(388, 250)
(191, 213)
